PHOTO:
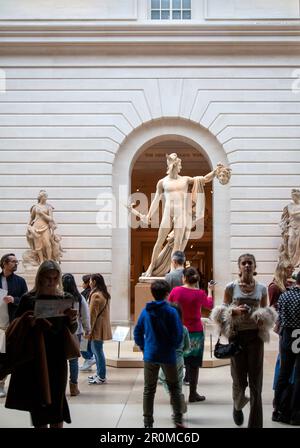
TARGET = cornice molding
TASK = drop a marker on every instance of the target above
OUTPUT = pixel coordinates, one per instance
(91, 32)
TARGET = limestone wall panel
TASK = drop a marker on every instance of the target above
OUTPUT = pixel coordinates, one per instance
(61, 130)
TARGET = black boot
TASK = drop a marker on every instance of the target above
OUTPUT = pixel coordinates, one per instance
(186, 379)
(238, 417)
(194, 396)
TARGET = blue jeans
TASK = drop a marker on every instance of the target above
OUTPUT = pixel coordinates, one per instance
(276, 373)
(287, 395)
(73, 365)
(88, 354)
(97, 349)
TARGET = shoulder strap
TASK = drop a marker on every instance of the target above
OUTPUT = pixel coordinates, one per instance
(80, 302)
(99, 314)
(230, 289)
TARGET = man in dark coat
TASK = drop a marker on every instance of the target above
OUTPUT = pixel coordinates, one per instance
(15, 287)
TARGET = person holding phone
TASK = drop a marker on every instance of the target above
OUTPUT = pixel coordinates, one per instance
(191, 299)
(245, 317)
(26, 392)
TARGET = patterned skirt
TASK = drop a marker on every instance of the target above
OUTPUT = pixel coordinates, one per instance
(194, 356)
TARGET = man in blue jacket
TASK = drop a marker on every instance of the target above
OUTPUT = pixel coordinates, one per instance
(159, 333)
(15, 287)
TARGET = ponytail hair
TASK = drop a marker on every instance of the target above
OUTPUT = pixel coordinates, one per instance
(191, 276)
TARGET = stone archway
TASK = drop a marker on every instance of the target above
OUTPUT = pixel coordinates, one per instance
(136, 143)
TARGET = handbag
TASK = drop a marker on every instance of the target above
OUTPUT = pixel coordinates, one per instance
(223, 351)
(71, 345)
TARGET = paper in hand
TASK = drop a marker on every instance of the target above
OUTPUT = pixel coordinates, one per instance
(2, 341)
(3, 293)
(51, 308)
(84, 344)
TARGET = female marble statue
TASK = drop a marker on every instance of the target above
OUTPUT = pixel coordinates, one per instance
(44, 244)
(290, 225)
(184, 206)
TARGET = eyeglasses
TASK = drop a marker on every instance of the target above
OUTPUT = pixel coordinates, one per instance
(243, 263)
(13, 261)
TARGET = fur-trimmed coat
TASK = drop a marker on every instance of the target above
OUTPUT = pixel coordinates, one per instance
(265, 319)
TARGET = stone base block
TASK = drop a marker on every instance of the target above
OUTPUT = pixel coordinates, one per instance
(124, 362)
(138, 363)
(29, 275)
(214, 362)
(142, 295)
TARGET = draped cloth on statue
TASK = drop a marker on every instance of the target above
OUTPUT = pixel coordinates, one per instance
(290, 232)
(194, 210)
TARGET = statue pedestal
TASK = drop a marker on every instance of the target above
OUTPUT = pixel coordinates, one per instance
(29, 275)
(214, 362)
(142, 295)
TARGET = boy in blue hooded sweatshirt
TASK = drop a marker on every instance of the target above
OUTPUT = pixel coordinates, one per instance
(158, 333)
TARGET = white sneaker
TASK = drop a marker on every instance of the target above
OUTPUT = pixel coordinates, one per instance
(97, 380)
(87, 365)
(2, 392)
(91, 377)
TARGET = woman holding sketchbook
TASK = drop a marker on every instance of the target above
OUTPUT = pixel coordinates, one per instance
(38, 384)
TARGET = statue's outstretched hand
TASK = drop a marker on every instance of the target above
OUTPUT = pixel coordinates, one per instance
(145, 219)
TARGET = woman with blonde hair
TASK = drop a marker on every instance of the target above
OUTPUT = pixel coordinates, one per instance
(281, 281)
(38, 385)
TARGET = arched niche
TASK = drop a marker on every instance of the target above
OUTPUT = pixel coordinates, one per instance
(133, 146)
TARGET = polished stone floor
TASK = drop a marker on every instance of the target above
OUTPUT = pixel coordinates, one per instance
(118, 404)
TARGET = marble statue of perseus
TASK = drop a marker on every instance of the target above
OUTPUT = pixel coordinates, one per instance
(183, 209)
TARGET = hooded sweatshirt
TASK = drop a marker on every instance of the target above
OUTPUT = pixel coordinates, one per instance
(159, 332)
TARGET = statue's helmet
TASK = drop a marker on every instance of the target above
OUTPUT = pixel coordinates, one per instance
(173, 161)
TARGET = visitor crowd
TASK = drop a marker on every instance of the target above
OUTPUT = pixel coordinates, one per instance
(48, 328)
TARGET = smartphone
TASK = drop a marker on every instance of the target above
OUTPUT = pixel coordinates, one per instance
(212, 282)
(248, 308)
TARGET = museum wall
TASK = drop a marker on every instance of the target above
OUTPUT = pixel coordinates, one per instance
(68, 109)
(138, 10)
